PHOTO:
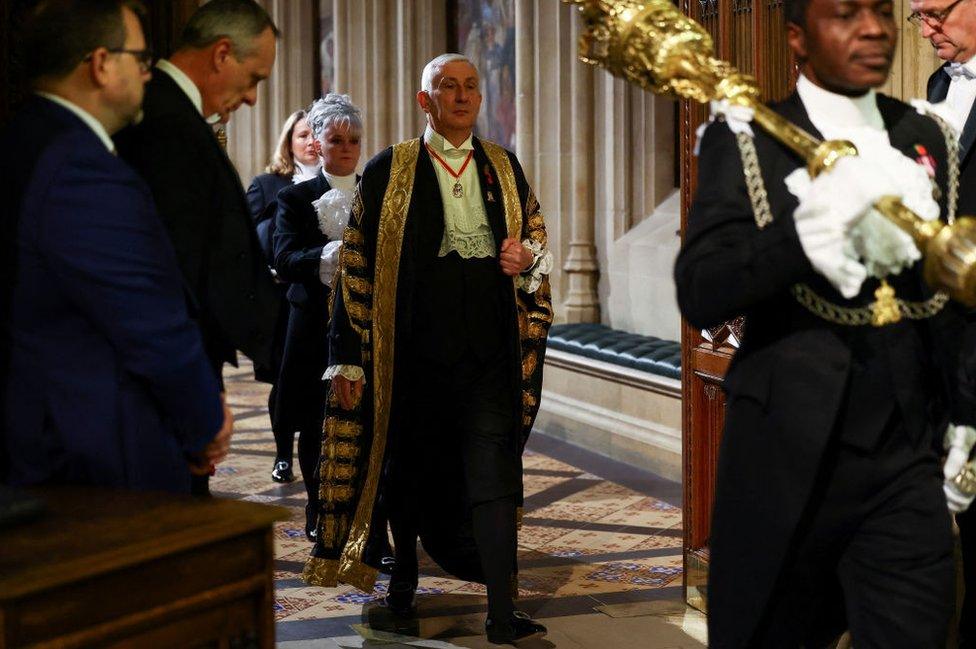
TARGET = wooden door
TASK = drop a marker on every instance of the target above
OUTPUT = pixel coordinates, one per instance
(750, 33)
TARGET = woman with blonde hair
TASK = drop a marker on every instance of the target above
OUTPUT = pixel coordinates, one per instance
(294, 160)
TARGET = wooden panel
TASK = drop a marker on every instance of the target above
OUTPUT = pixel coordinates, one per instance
(741, 35)
(12, 88)
(104, 568)
(166, 21)
(749, 33)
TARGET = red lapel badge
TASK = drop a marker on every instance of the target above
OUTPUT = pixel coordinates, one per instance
(923, 158)
(488, 179)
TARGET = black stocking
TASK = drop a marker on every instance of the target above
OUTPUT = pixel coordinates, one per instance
(495, 534)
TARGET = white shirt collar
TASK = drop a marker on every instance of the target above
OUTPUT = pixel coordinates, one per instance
(187, 86)
(84, 116)
(341, 182)
(305, 172)
(825, 107)
(441, 143)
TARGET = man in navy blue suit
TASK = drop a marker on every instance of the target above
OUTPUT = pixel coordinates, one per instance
(103, 376)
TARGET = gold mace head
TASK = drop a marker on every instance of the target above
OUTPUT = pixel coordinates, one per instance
(655, 46)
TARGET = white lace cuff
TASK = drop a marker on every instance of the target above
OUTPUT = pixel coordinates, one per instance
(350, 372)
(328, 262)
(531, 279)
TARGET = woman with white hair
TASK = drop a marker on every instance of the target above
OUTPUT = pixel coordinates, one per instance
(309, 222)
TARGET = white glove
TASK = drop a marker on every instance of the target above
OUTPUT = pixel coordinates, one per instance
(829, 207)
(959, 441)
(328, 261)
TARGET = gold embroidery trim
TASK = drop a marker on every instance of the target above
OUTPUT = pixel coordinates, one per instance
(806, 296)
(389, 242)
(351, 257)
(498, 157)
(341, 428)
(321, 572)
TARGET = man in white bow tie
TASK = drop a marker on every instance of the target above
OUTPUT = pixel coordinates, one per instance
(950, 25)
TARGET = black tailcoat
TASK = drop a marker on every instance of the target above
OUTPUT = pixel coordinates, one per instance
(795, 372)
(202, 204)
(298, 244)
(938, 89)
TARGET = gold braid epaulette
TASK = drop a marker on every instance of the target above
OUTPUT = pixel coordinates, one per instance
(806, 296)
(354, 274)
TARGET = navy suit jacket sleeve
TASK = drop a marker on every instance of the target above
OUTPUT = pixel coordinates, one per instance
(256, 201)
(110, 253)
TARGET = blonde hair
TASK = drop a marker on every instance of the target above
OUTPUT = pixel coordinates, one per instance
(283, 160)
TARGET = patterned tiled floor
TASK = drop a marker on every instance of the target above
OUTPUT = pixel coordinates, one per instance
(597, 536)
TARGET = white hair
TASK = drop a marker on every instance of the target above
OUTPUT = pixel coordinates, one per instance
(333, 110)
(436, 64)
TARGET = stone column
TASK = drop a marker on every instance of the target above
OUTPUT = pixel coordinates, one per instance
(582, 302)
(381, 47)
(525, 86)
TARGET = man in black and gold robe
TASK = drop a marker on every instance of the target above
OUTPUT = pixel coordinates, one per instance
(437, 342)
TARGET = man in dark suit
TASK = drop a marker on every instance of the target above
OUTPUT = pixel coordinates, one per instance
(104, 377)
(226, 49)
(951, 28)
(829, 507)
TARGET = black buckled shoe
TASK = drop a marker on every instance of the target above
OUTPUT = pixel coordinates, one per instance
(387, 565)
(515, 629)
(282, 471)
(401, 599)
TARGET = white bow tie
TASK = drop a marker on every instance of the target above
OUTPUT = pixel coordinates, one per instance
(959, 71)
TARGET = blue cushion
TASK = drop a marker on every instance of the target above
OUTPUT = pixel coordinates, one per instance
(599, 342)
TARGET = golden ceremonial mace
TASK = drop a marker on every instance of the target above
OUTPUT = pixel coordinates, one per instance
(655, 46)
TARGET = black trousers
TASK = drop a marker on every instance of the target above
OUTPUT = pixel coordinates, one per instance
(874, 553)
(463, 413)
(301, 393)
(967, 617)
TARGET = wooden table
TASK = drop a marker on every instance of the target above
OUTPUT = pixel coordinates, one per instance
(123, 569)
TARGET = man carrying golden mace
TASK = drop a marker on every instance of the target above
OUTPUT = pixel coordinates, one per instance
(832, 509)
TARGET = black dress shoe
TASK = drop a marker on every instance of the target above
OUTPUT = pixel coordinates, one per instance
(282, 471)
(387, 564)
(516, 628)
(401, 599)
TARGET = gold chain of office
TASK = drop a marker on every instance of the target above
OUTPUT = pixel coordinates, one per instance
(806, 296)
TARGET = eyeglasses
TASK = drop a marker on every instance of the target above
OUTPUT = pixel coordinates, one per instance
(931, 18)
(143, 57)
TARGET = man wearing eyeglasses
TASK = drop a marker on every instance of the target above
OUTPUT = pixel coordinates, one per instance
(950, 25)
(103, 376)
